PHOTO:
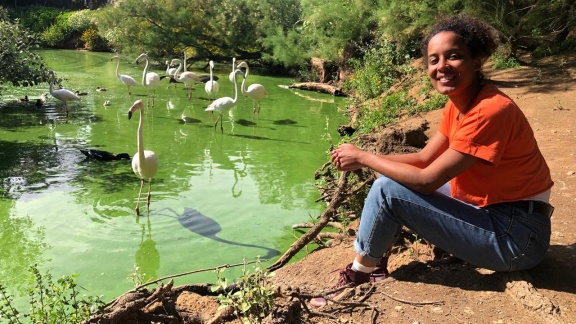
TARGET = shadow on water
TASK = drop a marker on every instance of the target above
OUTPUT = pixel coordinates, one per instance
(287, 122)
(196, 222)
(262, 138)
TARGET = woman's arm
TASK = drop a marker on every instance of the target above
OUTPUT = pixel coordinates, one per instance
(424, 171)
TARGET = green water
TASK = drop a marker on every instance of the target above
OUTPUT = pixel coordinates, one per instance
(217, 197)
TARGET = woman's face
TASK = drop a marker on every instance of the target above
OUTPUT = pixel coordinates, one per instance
(451, 68)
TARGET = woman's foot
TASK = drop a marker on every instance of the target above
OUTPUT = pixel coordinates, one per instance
(347, 277)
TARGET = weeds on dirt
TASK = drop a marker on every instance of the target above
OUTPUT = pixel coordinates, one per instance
(51, 302)
(253, 296)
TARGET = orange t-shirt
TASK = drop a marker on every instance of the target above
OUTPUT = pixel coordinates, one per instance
(511, 166)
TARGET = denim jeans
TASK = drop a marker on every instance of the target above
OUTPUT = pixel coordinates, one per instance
(498, 237)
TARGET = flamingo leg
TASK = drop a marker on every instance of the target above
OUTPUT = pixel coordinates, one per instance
(137, 209)
(217, 119)
(148, 198)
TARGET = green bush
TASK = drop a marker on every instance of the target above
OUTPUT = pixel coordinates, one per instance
(36, 18)
(253, 297)
(503, 62)
(51, 302)
(377, 71)
(392, 106)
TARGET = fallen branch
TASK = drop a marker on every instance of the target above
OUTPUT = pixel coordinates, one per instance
(318, 87)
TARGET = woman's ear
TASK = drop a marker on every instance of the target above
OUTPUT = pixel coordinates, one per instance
(478, 64)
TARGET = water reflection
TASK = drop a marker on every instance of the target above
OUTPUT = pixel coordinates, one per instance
(147, 258)
(23, 246)
(198, 223)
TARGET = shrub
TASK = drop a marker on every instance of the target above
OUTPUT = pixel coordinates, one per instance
(377, 71)
(51, 302)
(253, 296)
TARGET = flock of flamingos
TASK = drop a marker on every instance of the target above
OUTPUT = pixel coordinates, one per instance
(145, 162)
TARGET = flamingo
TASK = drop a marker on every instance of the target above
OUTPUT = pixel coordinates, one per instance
(127, 80)
(63, 95)
(255, 91)
(144, 162)
(189, 78)
(231, 76)
(211, 87)
(224, 103)
(150, 80)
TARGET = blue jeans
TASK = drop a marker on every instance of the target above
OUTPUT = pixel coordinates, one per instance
(498, 237)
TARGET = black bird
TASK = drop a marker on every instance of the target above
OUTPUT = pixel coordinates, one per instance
(39, 103)
(104, 156)
(206, 77)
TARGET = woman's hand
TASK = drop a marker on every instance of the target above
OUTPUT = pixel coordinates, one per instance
(347, 157)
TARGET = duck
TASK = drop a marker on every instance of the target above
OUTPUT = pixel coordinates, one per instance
(78, 93)
(25, 99)
(44, 97)
(100, 89)
(39, 103)
(104, 155)
(206, 77)
(107, 103)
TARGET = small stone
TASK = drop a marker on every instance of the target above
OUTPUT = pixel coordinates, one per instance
(398, 308)
(437, 310)
(571, 172)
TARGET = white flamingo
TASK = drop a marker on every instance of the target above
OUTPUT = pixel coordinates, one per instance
(144, 162)
(150, 80)
(63, 95)
(231, 76)
(170, 72)
(211, 87)
(255, 91)
(224, 104)
(127, 80)
(188, 78)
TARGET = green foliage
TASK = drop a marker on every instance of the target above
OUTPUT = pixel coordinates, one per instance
(36, 18)
(18, 64)
(51, 302)
(60, 31)
(503, 62)
(81, 21)
(251, 297)
(377, 71)
(392, 106)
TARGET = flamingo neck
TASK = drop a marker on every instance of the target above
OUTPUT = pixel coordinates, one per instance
(145, 72)
(140, 141)
(117, 67)
(236, 88)
(176, 77)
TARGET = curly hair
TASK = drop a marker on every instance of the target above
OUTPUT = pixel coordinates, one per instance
(480, 37)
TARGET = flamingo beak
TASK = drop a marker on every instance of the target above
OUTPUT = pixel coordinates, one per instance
(137, 105)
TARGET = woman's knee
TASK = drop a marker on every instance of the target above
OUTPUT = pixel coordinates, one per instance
(387, 187)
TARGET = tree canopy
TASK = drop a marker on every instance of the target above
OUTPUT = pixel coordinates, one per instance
(18, 64)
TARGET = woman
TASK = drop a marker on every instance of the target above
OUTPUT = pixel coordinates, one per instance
(496, 213)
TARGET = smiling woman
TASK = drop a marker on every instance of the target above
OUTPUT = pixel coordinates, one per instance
(80, 215)
(476, 179)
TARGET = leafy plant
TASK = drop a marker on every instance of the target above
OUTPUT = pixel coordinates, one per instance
(251, 297)
(51, 302)
(502, 62)
(376, 72)
(391, 108)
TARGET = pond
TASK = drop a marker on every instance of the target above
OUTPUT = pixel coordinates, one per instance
(218, 197)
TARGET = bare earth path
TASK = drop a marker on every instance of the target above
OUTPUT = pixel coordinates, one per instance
(455, 292)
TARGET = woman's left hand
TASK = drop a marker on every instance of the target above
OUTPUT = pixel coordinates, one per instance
(346, 157)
